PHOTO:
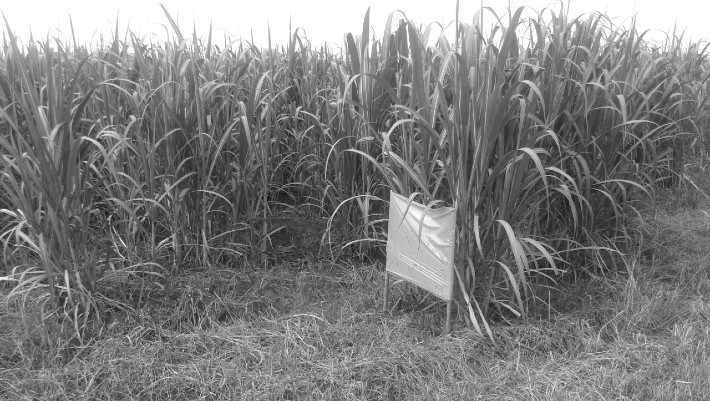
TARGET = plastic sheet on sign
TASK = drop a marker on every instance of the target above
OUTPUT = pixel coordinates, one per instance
(426, 260)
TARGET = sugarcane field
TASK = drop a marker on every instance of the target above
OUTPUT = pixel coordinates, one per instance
(510, 205)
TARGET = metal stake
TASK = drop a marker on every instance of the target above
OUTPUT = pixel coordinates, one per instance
(447, 327)
(387, 288)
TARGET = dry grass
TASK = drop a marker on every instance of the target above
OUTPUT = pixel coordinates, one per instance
(307, 330)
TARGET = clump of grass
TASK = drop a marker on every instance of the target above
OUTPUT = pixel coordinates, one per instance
(134, 161)
(314, 330)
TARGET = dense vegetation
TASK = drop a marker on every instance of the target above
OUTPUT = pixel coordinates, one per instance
(125, 164)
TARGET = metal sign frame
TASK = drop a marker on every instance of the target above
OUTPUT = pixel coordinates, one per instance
(421, 245)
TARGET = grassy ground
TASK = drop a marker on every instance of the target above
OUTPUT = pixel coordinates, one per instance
(309, 330)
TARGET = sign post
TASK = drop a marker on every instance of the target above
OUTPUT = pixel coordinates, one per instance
(421, 244)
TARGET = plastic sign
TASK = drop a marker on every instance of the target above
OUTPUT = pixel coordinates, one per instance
(420, 245)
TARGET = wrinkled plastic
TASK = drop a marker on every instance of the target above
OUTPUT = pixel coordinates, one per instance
(421, 245)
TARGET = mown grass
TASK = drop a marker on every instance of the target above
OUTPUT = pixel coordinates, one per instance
(314, 330)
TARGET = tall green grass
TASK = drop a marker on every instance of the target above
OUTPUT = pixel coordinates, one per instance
(134, 159)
